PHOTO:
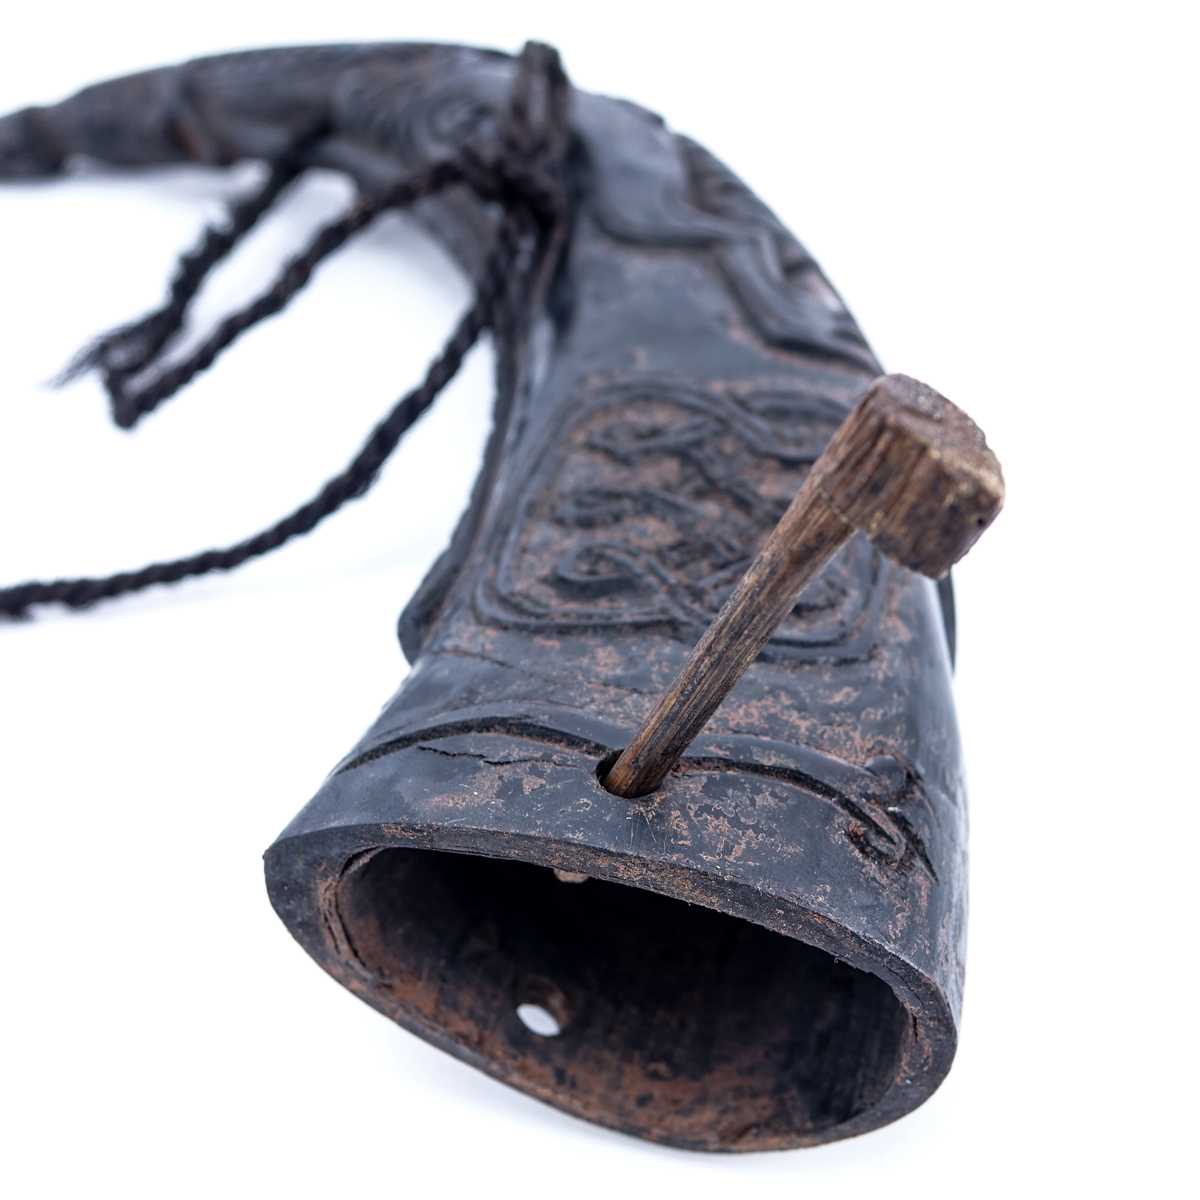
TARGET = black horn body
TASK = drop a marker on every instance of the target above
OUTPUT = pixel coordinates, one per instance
(768, 951)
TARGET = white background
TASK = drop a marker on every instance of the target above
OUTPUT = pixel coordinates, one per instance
(1006, 196)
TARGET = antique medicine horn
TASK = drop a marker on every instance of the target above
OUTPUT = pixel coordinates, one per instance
(766, 950)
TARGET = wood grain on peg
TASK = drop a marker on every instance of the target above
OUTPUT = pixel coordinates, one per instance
(908, 469)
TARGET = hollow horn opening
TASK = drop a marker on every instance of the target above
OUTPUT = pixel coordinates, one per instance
(660, 1018)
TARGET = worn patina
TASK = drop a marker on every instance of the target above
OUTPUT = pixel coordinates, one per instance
(767, 951)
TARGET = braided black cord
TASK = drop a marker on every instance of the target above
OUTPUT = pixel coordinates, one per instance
(528, 246)
(352, 482)
(129, 349)
(129, 404)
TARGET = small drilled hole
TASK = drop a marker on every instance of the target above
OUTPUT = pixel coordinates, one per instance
(542, 1006)
(539, 1020)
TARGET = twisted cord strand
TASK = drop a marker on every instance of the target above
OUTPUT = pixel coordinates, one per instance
(130, 405)
(528, 247)
(355, 480)
(129, 349)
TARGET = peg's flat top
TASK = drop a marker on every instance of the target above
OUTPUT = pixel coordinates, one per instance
(914, 473)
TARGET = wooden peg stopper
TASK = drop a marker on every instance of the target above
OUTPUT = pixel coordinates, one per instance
(908, 469)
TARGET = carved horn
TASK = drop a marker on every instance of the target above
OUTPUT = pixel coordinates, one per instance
(768, 951)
